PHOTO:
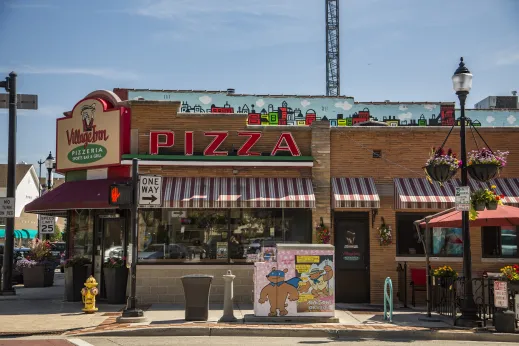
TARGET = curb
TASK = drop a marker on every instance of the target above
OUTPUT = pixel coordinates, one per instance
(382, 334)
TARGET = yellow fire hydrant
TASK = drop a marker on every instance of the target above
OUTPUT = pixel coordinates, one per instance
(89, 293)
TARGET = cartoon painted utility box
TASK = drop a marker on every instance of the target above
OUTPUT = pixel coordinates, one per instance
(301, 282)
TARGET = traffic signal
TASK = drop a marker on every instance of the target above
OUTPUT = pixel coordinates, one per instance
(120, 194)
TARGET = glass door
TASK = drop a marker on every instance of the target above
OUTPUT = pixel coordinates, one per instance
(111, 243)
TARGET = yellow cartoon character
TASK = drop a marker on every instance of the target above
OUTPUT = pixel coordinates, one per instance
(318, 282)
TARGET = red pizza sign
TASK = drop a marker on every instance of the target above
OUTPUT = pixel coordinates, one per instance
(166, 139)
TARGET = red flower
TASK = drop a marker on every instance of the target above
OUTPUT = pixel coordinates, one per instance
(502, 196)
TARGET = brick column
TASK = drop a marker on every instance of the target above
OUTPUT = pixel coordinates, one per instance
(321, 175)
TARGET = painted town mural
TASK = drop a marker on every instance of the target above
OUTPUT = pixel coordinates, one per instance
(342, 111)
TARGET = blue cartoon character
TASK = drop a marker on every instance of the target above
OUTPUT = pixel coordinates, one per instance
(277, 291)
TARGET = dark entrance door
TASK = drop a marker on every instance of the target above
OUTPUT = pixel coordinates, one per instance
(111, 242)
(352, 258)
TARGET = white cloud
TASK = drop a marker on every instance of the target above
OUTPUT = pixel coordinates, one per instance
(344, 105)
(490, 119)
(511, 119)
(205, 99)
(260, 103)
(405, 116)
(106, 73)
(403, 108)
(305, 103)
(429, 107)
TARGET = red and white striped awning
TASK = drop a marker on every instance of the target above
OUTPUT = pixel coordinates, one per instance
(419, 193)
(238, 193)
(504, 186)
(355, 193)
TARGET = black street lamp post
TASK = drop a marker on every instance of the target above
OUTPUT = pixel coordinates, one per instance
(40, 162)
(462, 83)
(49, 164)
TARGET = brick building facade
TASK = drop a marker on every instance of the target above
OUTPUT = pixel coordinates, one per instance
(352, 189)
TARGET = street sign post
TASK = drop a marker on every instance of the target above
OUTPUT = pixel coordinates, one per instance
(462, 198)
(7, 207)
(47, 224)
(24, 101)
(150, 191)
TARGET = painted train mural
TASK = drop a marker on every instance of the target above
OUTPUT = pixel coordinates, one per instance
(342, 111)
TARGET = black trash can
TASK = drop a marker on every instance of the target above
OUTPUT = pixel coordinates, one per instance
(196, 293)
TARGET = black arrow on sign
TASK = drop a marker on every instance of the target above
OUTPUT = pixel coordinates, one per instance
(152, 198)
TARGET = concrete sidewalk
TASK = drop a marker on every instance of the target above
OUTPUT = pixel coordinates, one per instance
(36, 311)
(43, 310)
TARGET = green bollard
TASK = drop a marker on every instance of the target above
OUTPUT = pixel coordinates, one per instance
(388, 300)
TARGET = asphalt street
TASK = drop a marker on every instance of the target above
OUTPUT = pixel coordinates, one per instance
(227, 341)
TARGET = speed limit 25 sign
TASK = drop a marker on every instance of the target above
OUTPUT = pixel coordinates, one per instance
(46, 224)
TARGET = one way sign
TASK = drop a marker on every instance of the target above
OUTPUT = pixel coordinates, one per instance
(150, 191)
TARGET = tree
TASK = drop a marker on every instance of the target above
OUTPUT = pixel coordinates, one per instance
(56, 236)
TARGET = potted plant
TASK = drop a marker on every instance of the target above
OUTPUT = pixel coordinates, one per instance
(511, 273)
(115, 277)
(20, 265)
(441, 166)
(386, 237)
(484, 165)
(444, 275)
(41, 272)
(76, 273)
(484, 198)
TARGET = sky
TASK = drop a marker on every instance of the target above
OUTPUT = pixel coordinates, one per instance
(398, 50)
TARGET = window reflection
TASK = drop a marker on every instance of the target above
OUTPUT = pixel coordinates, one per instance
(447, 241)
(202, 236)
(81, 228)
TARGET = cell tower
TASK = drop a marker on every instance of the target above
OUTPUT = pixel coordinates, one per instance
(333, 77)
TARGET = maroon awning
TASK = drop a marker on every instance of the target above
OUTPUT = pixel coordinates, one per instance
(84, 194)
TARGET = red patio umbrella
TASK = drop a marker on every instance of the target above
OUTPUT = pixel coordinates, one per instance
(504, 215)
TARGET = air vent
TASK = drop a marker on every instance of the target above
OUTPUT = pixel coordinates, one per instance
(377, 154)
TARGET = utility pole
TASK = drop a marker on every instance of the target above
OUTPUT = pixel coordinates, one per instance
(333, 71)
(7, 269)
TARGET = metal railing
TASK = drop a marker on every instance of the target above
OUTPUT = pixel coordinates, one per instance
(447, 297)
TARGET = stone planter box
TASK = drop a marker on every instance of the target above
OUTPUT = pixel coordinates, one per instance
(38, 276)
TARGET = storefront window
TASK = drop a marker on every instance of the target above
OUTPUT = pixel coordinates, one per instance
(499, 241)
(408, 242)
(81, 230)
(447, 242)
(218, 236)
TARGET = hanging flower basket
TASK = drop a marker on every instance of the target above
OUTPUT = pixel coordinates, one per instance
(484, 165)
(483, 172)
(441, 166)
(323, 233)
(440, 173)
(484, 198)
(386, 238)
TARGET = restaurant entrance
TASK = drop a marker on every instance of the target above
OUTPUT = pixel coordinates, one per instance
(110, 242)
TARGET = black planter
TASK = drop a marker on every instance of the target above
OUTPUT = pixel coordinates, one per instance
(440, 173)
(483, 171)
(479, 206)
(115, 280)
(38, 276)
(75, 278)
(491, 205)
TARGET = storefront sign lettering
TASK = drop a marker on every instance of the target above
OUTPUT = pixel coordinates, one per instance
(89, 136)
(87, 154)
(165, 139)
(76, 136)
